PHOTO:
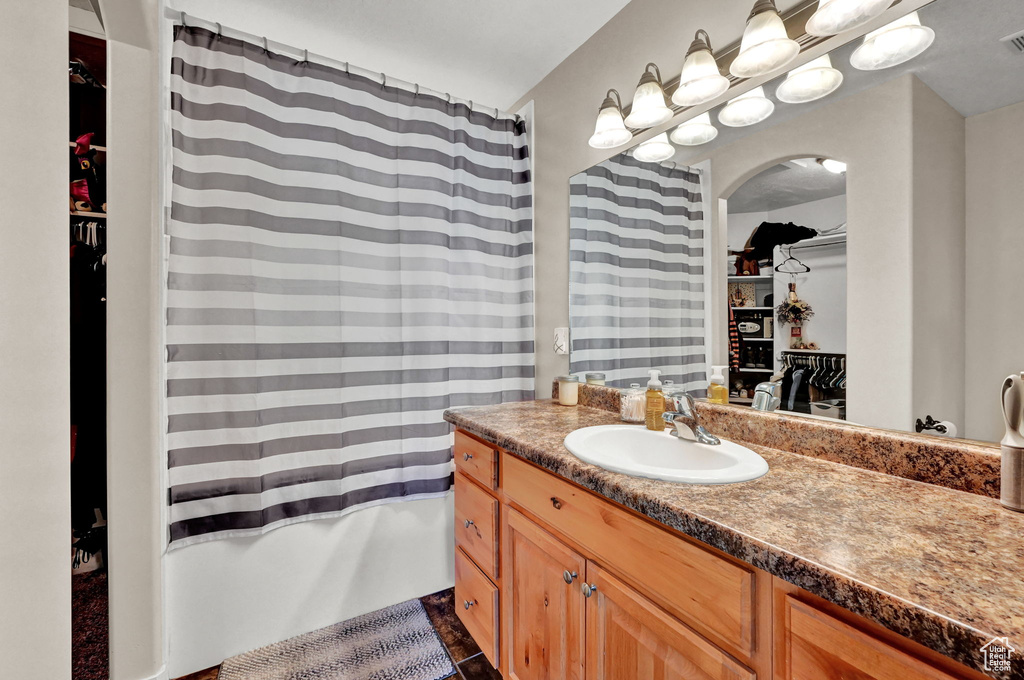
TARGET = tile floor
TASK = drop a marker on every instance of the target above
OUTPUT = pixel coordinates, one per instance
(469, 661)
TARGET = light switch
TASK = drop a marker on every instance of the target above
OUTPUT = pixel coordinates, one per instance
(561, 341)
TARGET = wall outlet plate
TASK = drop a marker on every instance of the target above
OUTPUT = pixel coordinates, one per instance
(561, 341)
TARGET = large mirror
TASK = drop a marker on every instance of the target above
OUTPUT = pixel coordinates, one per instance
(859, 253)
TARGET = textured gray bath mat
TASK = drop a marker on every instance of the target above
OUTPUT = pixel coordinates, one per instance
(395, 643)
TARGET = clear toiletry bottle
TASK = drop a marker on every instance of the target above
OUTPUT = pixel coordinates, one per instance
(631, 404)
(718, 393)
(655, 403)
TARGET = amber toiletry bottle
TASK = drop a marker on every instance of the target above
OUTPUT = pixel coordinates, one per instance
(655, 403)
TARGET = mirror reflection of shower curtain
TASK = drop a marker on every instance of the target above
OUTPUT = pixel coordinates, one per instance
(636, 266)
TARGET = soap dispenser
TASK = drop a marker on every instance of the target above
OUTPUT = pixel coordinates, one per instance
(655, 399)
(718, 393)
(1012, 465)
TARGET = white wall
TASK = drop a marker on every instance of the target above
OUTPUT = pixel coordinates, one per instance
(35, 492)
(995, 240)
(824, 287)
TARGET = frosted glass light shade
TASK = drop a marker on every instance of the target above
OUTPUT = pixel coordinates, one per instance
(655, 149)
(833, 166)
(610, 131)
(695, 131)
(813, 80)
(765, 47)
(836, 16)
(649, 107)
(893, 44)
(747, 109)
(700, 81)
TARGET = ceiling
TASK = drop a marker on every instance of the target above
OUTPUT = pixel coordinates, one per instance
(785, 185)
(486, 51)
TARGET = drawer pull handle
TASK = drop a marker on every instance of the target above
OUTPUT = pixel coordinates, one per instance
(568, 576)
(469, 523)
(556, 503)
(467, 456)
(588, 590)
(467, 604)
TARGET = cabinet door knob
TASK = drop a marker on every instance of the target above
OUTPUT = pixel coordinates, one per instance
(568, 576)
(556, 503)
(588, 590)
(467, 604)
(469, 523)
(467, 456)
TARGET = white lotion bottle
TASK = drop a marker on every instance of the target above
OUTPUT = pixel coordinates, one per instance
(1011, 493)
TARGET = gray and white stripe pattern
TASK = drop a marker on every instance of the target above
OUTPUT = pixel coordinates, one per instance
(636, 299)
(347, 260)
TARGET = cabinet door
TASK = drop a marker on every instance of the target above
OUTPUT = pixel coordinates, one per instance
(546, 618)
(630, 637)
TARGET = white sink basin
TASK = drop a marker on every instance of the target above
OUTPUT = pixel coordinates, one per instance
(637, 451)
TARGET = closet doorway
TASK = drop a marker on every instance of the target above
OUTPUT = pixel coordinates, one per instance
(87, 261)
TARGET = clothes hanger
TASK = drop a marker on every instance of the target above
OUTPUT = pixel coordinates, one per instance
(789, 258)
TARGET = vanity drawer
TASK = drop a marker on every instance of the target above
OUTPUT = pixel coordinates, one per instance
(476, 459)
(476, 603)
(709, 593)
(817, 646)
(476, 524)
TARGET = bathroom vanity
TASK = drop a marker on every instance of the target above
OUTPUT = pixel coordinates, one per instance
(818, 570)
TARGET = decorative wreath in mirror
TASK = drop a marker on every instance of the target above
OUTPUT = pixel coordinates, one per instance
(793, 310)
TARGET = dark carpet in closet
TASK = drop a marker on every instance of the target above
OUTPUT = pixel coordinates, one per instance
(89, 635)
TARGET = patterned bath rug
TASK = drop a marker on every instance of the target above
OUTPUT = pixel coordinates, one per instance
(394, 643)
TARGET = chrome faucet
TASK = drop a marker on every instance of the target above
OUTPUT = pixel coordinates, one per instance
(686, 425)
(766, 397)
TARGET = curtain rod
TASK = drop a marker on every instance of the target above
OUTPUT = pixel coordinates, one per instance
(188, 20)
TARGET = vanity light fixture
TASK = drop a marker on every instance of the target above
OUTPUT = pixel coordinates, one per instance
(655, 149)
(837, 16)
(832, 165)
(893, 44)
(610, 131)
(695, 131)
(812, 81)
(649, 104)
(700, 81)
(749, 108)
(766, 46)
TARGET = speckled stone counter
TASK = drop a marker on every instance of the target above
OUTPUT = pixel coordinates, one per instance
(939, 566)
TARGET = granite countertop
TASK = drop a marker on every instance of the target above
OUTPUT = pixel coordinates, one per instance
(939, 566)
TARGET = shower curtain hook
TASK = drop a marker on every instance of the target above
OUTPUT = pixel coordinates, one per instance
(266, 47)
(447, 98)
(497, 114)
(218, 30)
(416, 90)
(383, 81)
(183, 20)
(305, 56)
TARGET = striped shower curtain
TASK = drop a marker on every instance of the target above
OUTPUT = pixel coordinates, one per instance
(636, 273)
(347, 260)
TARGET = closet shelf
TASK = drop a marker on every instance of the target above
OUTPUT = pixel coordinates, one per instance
(754, 370)
(83, 213)
(752, 309)
(762, 277)
(91, 146)
(757, 339)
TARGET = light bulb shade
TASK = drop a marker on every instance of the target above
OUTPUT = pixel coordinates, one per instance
(813, 80)
(833, 166)
(766, 47)
(610, 131)
(695, 131)
(837, 16)
(747, 109)
(655, 149)
(649, 108)
(893, 44)
(700, 81)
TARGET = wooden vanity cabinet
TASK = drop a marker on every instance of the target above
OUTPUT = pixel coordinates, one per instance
(568, 585)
